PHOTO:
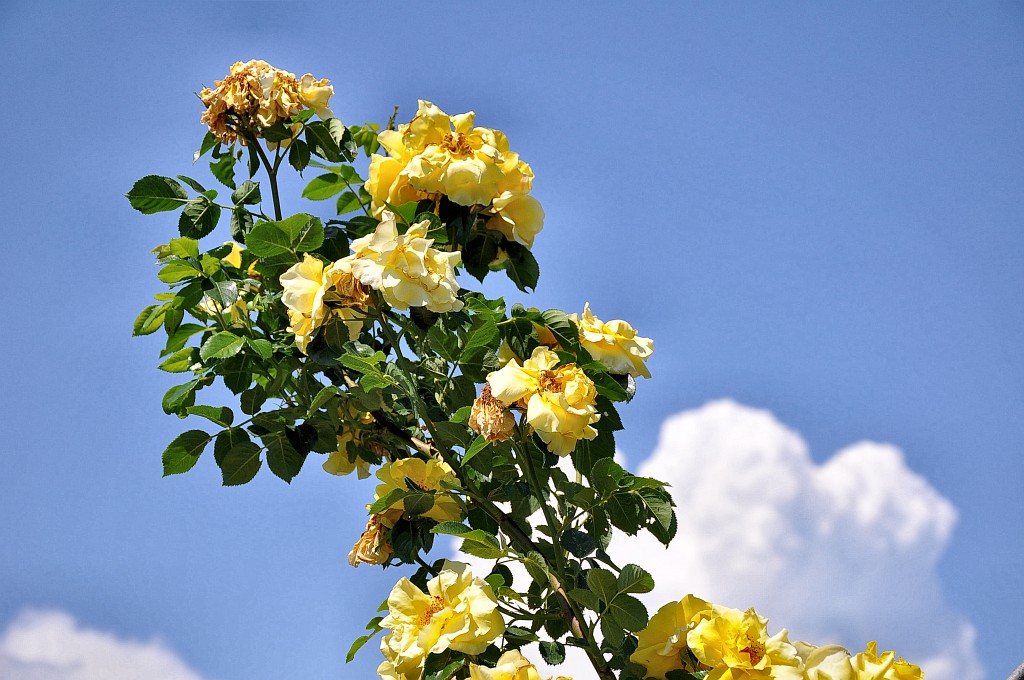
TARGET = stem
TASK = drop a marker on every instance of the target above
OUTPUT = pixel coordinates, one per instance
(271, 169)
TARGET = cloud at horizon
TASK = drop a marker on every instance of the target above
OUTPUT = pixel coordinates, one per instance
(51, 645)
(839, 552)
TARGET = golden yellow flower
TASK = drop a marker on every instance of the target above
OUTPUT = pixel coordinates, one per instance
(404, 267)
(490, 418)
(511, 666)
(256, 95)
(884, 666)
(559, 400)
(312, 293)
(436, 154)
(736, 646)
(372, 548)
(615, 344)
(661, 646)
(458, 612)
(234, 258)
(427, 475)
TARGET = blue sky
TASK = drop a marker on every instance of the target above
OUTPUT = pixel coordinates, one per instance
(814, 210)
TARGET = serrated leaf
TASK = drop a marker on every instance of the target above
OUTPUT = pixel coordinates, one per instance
(298, 155)
(192, 183)
(266, 239)
(199, 218)
(633, 579)
(177, 270)
(219, 415)
(577, 542)
(149, 320)
(225, 293)
(602, 583)
(628, 612)
(224, 170)
(418, 503)
(184, 247)
(348, 202)
(282, 458)
(179, 397)
(240, 464)
(586, 599)
(179, 362)
(209, 141)
(247, 193)
(241, 223)
(263, 348)
(387, 500)
(153, 194)
(221, 346)
(183, 452)
(478, 445)
(552, 652)
(322, 187)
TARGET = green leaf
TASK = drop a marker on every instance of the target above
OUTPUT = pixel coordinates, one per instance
(310, 235)
(324, 139)
(178, 270)
(446, 672)
(221, 346)
(628, 612)
(552, 652)
(348, 202)
(252, 400)
(199, 218)
(282, 458)
(418, 503)
(153, 194)
(225, 293)
(462, 416)
(485, 336)
(387, 500)
(184, 247)
(192, 183)
(180, 397)
(240, 464)
(577, 542)
(586, 599)
(633, 579)
(179, 361)
(602, 583)
(149, 320)
(247, 193)
(321, 398)
(224, 170)
(241, 223)
(478, 445)
(323, 186)
(263, 348)
(298, 155)
(521, 266)
(219, 415)
(183, 452)
(266, 239)
(177, 339)
(209, 141)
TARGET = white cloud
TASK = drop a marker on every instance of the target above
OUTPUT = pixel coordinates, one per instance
(50, 645)
(842, 552)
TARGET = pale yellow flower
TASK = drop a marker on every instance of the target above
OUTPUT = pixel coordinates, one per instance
(736, 646)
(517, 216)
(406, 270)
(884, 666)
(312, 293)
(316, 94)
(828, 662)
(661, 646)
(559, 400)
(372, 548)
(491, 418)
(614, 343)
(458, 612)
(427, 475)
(511, 666)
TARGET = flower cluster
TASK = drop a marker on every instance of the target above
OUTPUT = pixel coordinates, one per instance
(436, 154)
(559, 400)
(458, 612)
(256, 95)
(728, 644)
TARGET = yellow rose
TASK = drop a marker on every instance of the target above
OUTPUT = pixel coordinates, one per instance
(884, 666)
(828, 662)
(661, 646)
(559, 400)
(405, 269)
(511, 666)
(427, 475)
(736, 646)
(490, 418)
(234, 258)
(312, 293)
(316, 94)
(518, 217)
(372, 548)
(615, 344)
(457, 612)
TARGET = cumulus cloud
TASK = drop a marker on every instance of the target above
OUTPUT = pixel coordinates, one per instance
(50, 645)
(843, 551)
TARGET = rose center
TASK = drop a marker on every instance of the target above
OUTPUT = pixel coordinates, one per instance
(436, 605)
(457, 144)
